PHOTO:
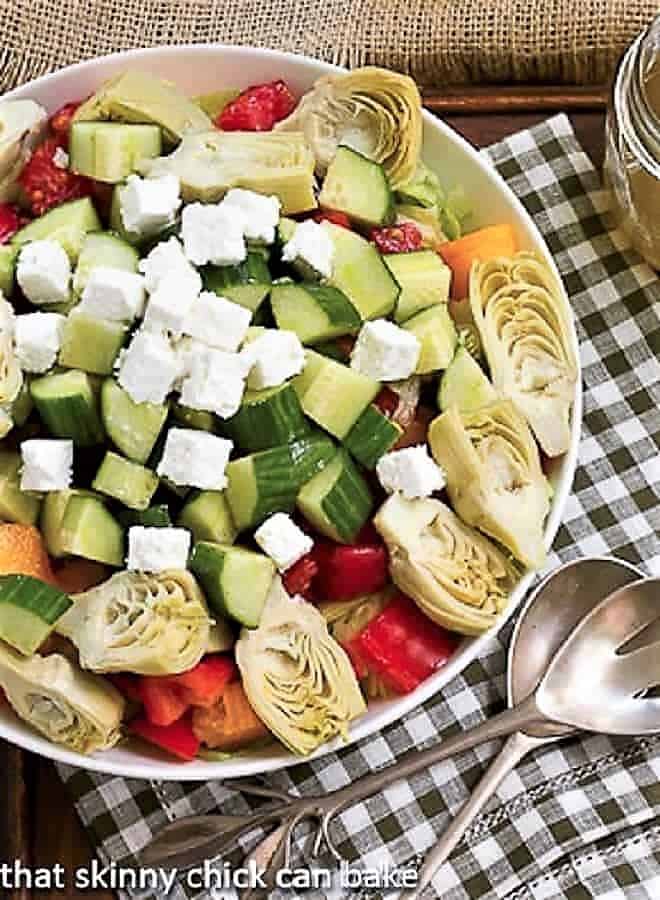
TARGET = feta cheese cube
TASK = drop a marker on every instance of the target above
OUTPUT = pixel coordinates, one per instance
(170, 304)
(212, 235)
(281, 539)
(312, 244)
(149, 204)
(273, 357)
(113, 294)
(157, 549)
(258, 214)
(216, 380)
(47, 464)
(217, 321)
(44, 272)
(195, 458)
(164, 260)
(38, 338)
(148, 367)
(411, 471)
(385, 352)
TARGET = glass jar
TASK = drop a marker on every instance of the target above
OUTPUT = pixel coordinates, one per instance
(632, 150)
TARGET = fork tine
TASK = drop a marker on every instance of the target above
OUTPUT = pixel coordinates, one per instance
(622, 616)
(258, 790)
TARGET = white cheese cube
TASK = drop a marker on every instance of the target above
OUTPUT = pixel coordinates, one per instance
(149, 204)
(47, 464)
(157, 549)
(113, 294)
(170, 304)
(195, 458)
(273, 357)
(216, 380)
(411, 471)
(164, 260)
(38, 338)
(44, 272)
(212, 235)
(259, 214)
(281, 539)
(385, 352)
(312, 244)
(217, 321)
(148, 367)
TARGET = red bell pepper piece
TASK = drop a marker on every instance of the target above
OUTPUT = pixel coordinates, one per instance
(177, 738)
(163, 704)
(298, 579)
(346, 571)
(330, 215)
(402, 646)
(205, 684)
(10, 221)
(402, 238)
(258, 108)
(60, 121)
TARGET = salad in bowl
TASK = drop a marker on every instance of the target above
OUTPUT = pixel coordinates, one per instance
(276, 416)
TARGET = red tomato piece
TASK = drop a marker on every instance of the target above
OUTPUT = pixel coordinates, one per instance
(60, 121)
(258, 108)
(45, 184)
(329, 215)
(178, 738)
(299, 578)
(402, 238)
(163, 704)
(205, 684)
(10, 221)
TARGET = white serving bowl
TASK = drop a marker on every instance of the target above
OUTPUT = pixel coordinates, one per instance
(200, 69)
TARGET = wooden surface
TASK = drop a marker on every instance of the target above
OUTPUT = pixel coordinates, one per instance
(38, 823)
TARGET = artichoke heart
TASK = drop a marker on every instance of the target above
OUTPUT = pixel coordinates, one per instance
(22, 123)
(371, 110)
(454, 574)
(519, 311)
(81, 711)
(298, 679)
(136, 622)
(11, 375)
(494, 476)
(211, 163)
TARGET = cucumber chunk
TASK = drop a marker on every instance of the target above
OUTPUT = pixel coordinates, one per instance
(22, 406)
(52, 514)
(465, 385)
(372, 435)
(208, 516)
(29, 610)
(424, 280)
(101, 249)
(236, 580)
(67, 224)
(126, 481)
(435, 330)
(247, 284)
(15, 505)
(91, 344)
(267, 419)
(357, 186)
(359, 271)
(68, 407)
(109, 151)
(8, 256)
(315, 312)
(132, 427)
(337, 501)
(194, 418)
(333, 395)
(153, 517)
(89, 530)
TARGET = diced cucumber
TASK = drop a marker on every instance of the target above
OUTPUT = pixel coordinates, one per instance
(22, 406)
(52, 515)
(8, 256)
(29, 609)
(91, 344)
(465, 385)
(236, 580)
(67, 224)
(89, 530)
(266, 419)
(109, 151)
(126, 481)
(208, 516)
(100, 249)
(333, 395)
(15, 506)
(68, 407)
(359, 271)
(435, 330)
(315, 312)
(357, 186)
(337, 501)
(372, 435)
(132, 427)
(286, 228)
(268, 482)
(193, 418)
(424, 280)
(247, 284)
(117, 223)
(153, 517)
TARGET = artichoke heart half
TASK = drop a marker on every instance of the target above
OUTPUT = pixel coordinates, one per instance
(81, 711)
(22, 124)
(494, 476)
(136, 622)
(520, 313)
(298, 679)
(11, 375)
(454, 574)
(371, 110)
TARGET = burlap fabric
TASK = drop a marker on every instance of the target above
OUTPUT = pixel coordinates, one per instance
(436, 41)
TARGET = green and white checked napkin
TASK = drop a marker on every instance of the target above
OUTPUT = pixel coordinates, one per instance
(582, 818)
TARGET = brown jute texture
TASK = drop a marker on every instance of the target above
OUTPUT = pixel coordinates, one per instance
(437, 41)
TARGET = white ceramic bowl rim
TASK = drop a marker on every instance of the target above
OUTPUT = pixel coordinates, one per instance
(130, 763)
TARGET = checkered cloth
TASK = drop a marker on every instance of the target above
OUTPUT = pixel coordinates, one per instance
(579, 819)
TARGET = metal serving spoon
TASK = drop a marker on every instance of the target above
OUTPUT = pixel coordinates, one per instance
(610, 698)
